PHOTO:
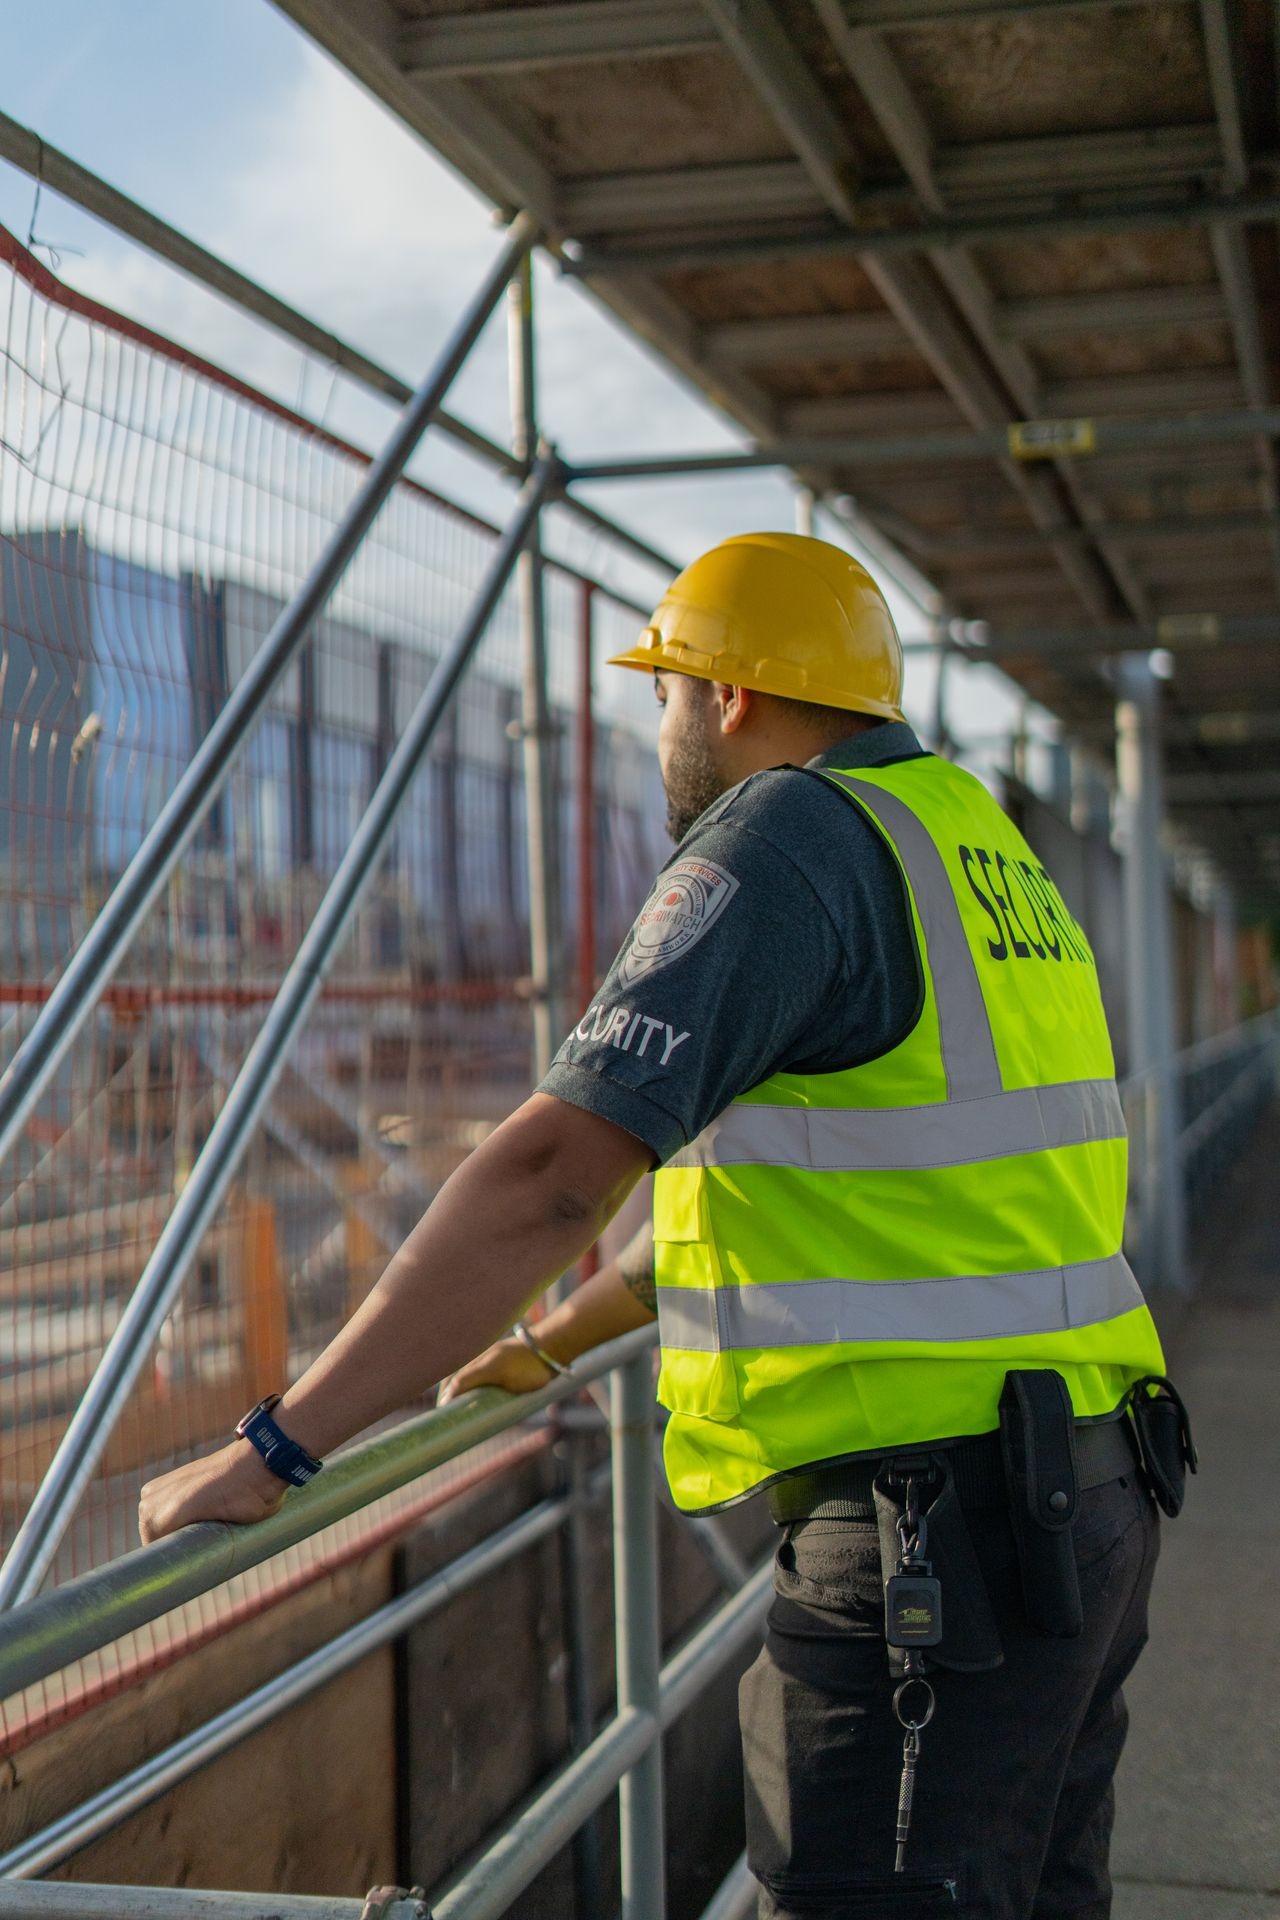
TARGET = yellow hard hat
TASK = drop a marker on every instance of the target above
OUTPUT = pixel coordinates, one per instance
(781, 614)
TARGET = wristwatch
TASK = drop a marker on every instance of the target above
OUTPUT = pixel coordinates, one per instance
(286, 1459)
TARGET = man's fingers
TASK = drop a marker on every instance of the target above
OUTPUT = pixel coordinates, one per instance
(472, 1375)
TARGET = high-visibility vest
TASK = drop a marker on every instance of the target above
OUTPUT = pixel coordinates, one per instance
(851, 1262)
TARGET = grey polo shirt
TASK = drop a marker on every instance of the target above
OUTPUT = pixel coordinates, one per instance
(777, 938)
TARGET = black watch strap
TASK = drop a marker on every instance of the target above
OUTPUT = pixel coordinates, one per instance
(286, 1459)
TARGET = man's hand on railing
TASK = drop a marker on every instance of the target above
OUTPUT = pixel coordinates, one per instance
(233, 1484)
(507, 1364)
(614, 1301)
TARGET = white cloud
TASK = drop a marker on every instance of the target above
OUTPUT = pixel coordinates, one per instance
(336, 205)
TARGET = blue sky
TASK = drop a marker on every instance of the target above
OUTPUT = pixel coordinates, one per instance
(232, 126)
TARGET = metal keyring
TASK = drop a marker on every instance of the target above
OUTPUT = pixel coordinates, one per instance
(913, 1726)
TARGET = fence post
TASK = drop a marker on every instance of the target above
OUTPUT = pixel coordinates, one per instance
(1149, 963)
(639, 1635)
(535, 716)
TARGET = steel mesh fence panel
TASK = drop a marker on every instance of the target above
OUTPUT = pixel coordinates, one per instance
(155, 517)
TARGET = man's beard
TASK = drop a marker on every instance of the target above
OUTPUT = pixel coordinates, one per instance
(692, 782)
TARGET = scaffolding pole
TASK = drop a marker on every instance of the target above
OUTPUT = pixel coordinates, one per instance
(945, 445)
(535, 710)
(1149, 974)
(805, 505)
(639, 1640)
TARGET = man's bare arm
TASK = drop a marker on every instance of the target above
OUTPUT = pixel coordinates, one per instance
(636, 1269)
(614, 1301)
(519, 1211)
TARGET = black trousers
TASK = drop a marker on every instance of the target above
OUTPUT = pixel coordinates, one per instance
(1014, 1795)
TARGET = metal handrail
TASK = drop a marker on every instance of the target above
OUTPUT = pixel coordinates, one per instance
(736, 1899)
(1215, 1046)
(76, 1900)
(1198, 1133)
(38, 1638)
(1249, 1054)
(89, 1431)
(82, 1615)
(1222, 1045)
(161, 1771)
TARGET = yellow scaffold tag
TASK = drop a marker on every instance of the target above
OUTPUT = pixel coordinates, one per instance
(1043, 439)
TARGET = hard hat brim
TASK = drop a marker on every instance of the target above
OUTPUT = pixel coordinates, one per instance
(648, 660)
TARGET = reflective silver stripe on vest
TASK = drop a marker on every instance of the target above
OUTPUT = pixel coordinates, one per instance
(806, 1313)
(968, 1050)
(882, 1139)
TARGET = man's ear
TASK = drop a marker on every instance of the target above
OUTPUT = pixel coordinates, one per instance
(732, 705)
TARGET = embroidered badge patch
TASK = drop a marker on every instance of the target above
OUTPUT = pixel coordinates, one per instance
(688, 900)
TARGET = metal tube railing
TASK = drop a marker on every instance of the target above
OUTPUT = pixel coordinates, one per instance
(487, 1888)
(82, 1446)
(537, 1835)
(1223, 1045)
(736, 1899)
(103, 947)
(43, 1635)
(1201, 1131)
(77, 1618)
(1244, 1063)
(728, 1630)
(73, 1900)
(535, 711)
(55, 1843)
(549, 1822)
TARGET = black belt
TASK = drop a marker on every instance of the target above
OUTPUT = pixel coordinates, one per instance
(1105, 1450)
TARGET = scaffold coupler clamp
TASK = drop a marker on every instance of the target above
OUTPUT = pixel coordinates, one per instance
(380, 1903)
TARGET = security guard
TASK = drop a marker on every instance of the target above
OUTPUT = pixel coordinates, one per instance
(859, 1034)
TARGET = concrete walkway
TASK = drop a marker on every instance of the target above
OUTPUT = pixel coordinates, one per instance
(1198, 1821)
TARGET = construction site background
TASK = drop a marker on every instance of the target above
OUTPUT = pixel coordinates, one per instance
(155, 517)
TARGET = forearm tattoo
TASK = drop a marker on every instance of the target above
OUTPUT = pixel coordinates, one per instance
(635, 1264)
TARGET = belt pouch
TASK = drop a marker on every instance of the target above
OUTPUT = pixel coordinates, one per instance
(1164, 1440)
(1037, 1438)
(970, 1638)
